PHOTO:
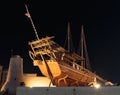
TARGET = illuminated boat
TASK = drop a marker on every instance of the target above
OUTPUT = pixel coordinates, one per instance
(64, 68)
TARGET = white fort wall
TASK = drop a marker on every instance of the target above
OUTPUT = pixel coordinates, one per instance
(14, 75)
(110, 90)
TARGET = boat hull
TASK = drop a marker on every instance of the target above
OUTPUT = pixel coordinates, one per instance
(65, 75)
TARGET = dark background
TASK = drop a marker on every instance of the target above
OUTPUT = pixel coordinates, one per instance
(101, 20)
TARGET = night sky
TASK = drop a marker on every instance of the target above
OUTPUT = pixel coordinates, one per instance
(101, 20)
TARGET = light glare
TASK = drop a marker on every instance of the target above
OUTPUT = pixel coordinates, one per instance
(97, 85)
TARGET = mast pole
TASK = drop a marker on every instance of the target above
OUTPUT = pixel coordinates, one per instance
(82, 45)
(29, 16)
(84, 51)
(68, 37)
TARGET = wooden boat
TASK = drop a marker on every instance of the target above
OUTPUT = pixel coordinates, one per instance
(64, 68)
(61, 66)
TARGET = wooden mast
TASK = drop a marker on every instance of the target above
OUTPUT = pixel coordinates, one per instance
(84, 49)
(82, 46)
(68, 37)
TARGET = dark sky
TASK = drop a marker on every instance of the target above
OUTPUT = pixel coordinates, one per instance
(101, 20)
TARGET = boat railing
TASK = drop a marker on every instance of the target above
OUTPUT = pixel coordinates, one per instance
(81, 68)
(72, 63)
